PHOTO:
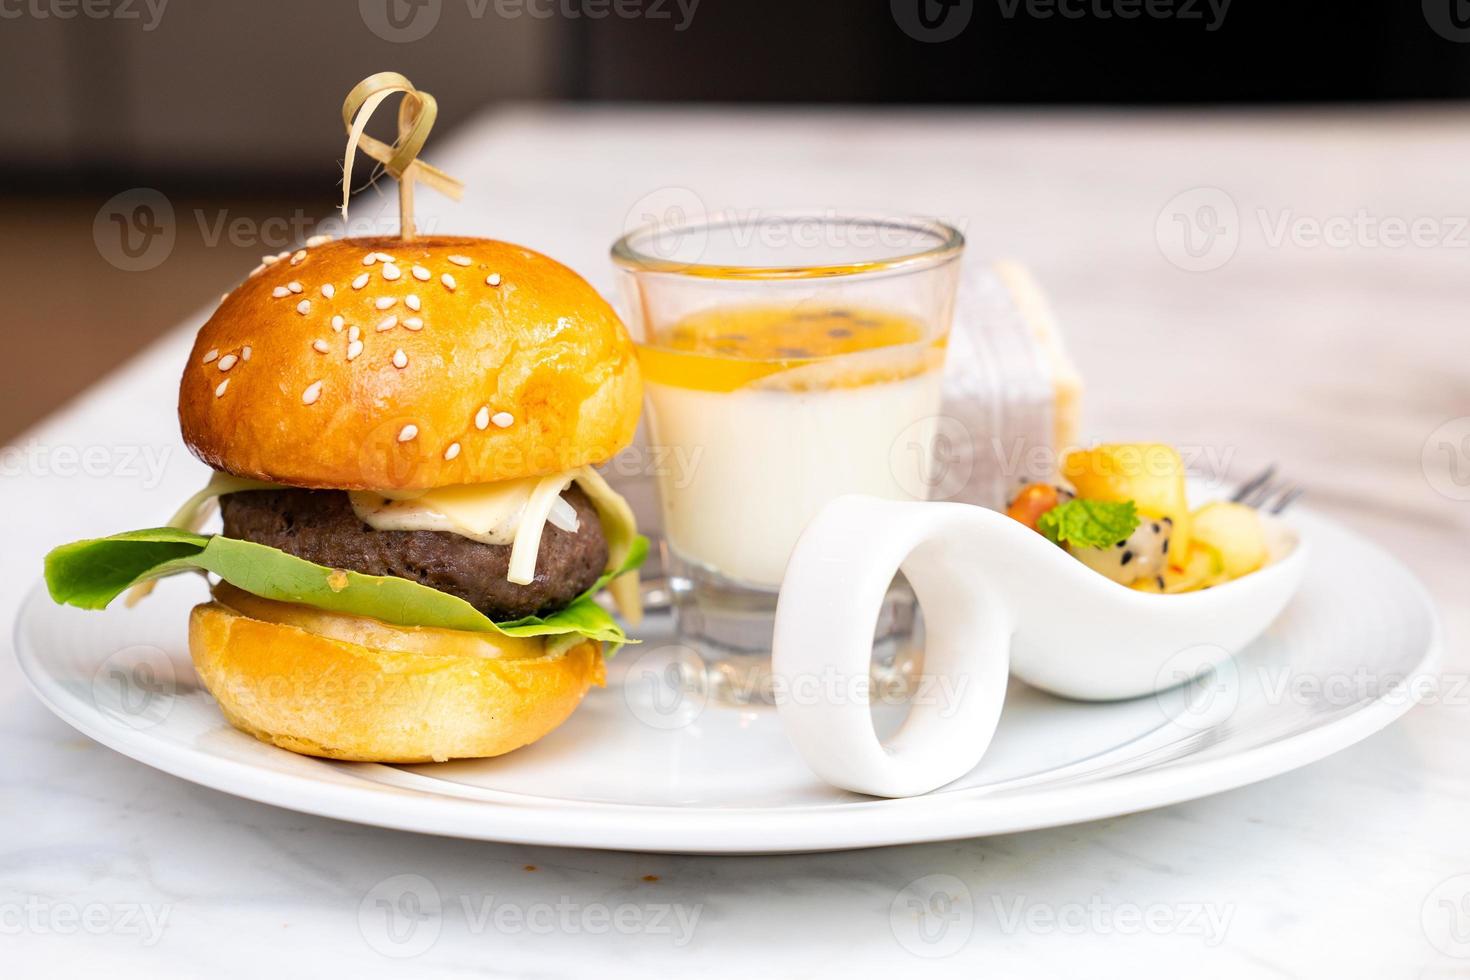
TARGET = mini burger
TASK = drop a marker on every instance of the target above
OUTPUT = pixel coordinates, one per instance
(403, 436)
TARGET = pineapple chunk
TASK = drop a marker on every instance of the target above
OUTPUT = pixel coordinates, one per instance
(1204, 568)
(1235, 531)
(1149, 474)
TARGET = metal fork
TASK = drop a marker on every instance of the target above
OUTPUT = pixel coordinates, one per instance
(1264, 492)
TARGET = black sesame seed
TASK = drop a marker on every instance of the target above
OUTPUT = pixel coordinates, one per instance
(1157, 529)
(1127, 557)
(1160, 580)
(1166, 546)
(1120, 544)
(1169, 521)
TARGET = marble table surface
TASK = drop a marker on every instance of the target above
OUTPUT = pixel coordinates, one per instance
(1315, 314)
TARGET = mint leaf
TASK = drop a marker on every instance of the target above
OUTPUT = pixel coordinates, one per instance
(1089, 523)
(90, 574)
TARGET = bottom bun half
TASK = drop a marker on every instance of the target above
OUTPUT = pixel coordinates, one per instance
(344, 687)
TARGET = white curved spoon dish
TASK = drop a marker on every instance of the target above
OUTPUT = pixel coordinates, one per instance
(996, 597)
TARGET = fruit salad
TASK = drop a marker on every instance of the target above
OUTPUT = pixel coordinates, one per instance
(1126, 515)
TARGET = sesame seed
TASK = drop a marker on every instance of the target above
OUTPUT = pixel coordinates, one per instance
(316, 240)
(448, 282)
(321, 346)
(211, 356)
(219, 391)
(400, 359)
(384, 257)
(354, 349)
(390, 271)
(452, 451)
(408, 432)
(328, 290)
(459, 260)
(388, 323)
(360, 281)
(269, 259)
(420, 273)
(312, 393)
(502, 420)
(227, 362)
(280, 292)
(412, 301)
(257, 270)
(294, 286)
(245, 352)
(370, 258)
(299, 257)
(354, 333)
(338, 323)
(482, 417)
(303, 307)
(383, 302)
(282, 254)
(493, 279)
(414, 322)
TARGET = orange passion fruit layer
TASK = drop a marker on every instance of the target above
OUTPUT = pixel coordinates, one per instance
(726, 348)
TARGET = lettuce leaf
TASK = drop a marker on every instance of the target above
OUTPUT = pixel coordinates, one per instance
(1089, 523)
(90, 574)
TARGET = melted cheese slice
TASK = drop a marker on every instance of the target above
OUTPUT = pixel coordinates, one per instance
(511, 512)
(489, 513)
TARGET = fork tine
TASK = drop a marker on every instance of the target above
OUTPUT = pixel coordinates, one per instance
(1250, 488)
(1288, 495)
(1260, 497)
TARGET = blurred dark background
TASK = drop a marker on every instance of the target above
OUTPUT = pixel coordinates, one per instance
(236, 103)
(188, 90)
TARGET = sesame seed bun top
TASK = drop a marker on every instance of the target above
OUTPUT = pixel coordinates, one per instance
(374, 363)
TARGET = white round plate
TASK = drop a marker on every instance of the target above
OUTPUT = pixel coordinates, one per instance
(637, 768)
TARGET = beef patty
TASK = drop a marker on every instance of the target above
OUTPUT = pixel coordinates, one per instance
(320, 526)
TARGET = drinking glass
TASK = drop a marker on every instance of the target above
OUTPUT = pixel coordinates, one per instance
(788, 358)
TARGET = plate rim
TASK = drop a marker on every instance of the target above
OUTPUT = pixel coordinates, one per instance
(745, 830)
